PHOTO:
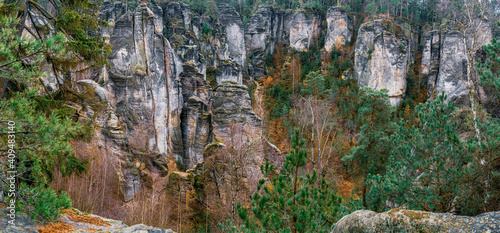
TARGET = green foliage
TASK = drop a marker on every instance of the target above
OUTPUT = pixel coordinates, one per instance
(310, 61)
(15, 50)
(489, 71)
(204, 7)
(44, 137)
(340, 63)
(431, 169)
(45, 122)
(269, 59)
(370, 154)
(290, 201)
(314, 84)
(206, 29)
(45, 203)
(282, 100)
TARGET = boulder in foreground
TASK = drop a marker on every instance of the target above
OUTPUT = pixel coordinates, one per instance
(401, 220)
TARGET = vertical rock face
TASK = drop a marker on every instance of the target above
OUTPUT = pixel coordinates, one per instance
(264, 30)
(160, 103)
(234, 122)
(430, 59)
(231, 50)
(195, 117)
(339, 30)
(176, 17)
(144, 91)
(381, 60)
(452, 77)
(110, 12)
(304, 27)
(177, 14)
(143, 78)
(232, 104)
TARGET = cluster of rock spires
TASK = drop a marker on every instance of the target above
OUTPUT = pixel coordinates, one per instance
(176, 79)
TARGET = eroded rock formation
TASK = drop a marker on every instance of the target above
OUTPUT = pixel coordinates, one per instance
(161, 108)
(264, 31)
(381, 60)
(176, 78)
(430, 59)
(339, 31)
(304, 28)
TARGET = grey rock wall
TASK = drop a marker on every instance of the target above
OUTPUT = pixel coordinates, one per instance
(381, 60)
(430, 59)
(231, 49)
(340, 27)
(304, 28)
(264, 31)
(160, 103)
(452, 77)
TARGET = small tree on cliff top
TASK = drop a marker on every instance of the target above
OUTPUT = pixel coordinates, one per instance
(290, 201)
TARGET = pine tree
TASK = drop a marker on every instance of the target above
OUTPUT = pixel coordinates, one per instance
(369, 156)
(42, 123)
(291, 201)
(432, 169)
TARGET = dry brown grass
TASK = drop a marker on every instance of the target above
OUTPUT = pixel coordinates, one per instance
(75, 217)
(57, 227)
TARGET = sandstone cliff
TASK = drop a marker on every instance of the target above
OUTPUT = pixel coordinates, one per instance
(161, 108)
(339, 31)
(175, 80)
(381, 60)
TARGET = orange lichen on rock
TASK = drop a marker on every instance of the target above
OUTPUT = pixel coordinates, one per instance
(57, 227)
(75, 217)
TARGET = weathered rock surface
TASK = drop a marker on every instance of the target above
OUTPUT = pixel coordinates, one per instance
(110, 12)
(195, 117)
(264, 31)
(430, 59)
(235, 124)
(145, 91)
(143, 77)
(452, 77)
(304, 28)
(232, 105)
(400, 220)
(72, 223)
(98, 90)
(339, 30)
(160, 104)
(231, 50)
(381, 60)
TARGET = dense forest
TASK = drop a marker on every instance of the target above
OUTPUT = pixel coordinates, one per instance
(342, 147)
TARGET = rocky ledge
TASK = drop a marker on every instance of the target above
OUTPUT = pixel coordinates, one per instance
(401, 220)
(72, 221)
